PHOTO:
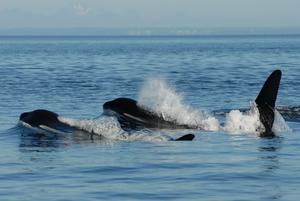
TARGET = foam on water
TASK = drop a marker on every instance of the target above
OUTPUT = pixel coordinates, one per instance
(105, 126)
(110, 128)
(157, 96)
(237, 122)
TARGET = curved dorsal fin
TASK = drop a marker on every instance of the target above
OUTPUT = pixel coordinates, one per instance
(265, 102)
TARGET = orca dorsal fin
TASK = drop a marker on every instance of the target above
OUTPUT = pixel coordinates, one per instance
(187, 137)
(265, 102)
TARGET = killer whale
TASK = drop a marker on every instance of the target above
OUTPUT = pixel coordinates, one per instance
(265, 102)
(47, 121)
(131, 115)
(44, 120)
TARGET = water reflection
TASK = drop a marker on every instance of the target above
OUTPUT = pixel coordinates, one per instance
(268, 157)
(33, 141)
(269, 153)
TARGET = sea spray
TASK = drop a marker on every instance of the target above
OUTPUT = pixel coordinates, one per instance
(108, 127)
(157, 96)
(237, 122)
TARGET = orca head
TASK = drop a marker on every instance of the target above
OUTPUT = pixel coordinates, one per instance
(39, 117)
(131, 115)
(121, 105)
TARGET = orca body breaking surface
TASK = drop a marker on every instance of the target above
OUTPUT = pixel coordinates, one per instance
(131, 115)
(44, 121)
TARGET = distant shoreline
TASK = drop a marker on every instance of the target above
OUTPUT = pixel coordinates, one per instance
(155, 36)
(152, 32)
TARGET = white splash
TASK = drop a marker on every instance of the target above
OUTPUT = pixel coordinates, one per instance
(108, 127)
(157, 96)
(237, 122)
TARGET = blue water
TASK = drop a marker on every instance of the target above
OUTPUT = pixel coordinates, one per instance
(74, 76)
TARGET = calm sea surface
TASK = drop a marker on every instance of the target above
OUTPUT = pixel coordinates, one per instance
(74, 76)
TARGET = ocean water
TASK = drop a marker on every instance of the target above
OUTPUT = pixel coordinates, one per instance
(210, 80)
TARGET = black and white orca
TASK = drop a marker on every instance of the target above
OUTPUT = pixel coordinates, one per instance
(131, 115)
(44, 121)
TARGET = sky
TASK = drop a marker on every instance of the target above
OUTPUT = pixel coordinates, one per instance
(148, 13)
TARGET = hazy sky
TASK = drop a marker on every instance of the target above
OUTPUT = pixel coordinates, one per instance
(149, 13)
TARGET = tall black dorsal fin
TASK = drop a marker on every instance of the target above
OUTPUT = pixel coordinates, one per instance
(265, 102)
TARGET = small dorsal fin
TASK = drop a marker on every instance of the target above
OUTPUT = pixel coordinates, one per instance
(187, 137)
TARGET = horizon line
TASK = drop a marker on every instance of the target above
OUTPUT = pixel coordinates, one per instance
(147, 31)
